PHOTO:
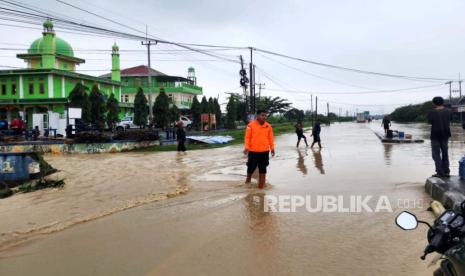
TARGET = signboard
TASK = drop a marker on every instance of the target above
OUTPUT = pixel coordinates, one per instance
(75, 113)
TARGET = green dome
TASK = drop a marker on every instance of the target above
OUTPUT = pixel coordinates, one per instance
(62, 47)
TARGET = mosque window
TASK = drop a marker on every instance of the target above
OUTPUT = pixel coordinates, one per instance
(13, 89)
(3, 88)
(41, 86)
(31, 86)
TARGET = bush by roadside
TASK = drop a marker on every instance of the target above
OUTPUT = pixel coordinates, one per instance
(137, 135)
(87, 137)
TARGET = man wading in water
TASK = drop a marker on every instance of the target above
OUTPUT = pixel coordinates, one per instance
(316, 134)
(300, 133)
(386, 123)
(181, 137)
(258, 143)
(439, 119)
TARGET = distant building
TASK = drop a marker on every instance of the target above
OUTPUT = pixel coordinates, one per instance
(181, 90)
(50, 76)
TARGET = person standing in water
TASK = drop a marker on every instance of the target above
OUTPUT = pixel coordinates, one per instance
(300, 133)
(181, 137)
(316, 134)
(439, 119)
(386, 123)
(258, 143)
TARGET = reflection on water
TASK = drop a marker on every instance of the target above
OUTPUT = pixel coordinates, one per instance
(387, 153)
(262, 225)
(318, 159)
(255, 211)
(301, 161)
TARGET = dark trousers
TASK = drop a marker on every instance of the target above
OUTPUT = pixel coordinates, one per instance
(258, 159)
(301, 136)
(440, 153)
(316, 139)
(181, 145)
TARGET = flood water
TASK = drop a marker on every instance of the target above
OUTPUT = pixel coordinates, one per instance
(219, 227)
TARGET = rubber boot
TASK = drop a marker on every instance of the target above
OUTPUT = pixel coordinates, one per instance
(249, 178)
(261, 180)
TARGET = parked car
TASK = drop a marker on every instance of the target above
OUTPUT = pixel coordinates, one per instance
(126, 123)
(186, 121)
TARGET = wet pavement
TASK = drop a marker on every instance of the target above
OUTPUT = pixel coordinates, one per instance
(220, 227)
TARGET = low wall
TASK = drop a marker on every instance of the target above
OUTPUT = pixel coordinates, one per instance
(117, 146)
(449, 191)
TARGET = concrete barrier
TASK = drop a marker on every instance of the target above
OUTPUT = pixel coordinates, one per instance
(449, 191)
(62, 148)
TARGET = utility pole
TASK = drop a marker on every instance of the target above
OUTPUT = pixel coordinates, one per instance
(252, 83)
(327, 112)
(260, 87)
(311, 108)
(149, 43)
(460, 87)
(450, 91)
(460, 96)
(316, 108)
(244, 81)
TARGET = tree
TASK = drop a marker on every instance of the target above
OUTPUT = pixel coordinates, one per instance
(78, 98)
(204, 105)
(273, 105)
(113, 111)
(140, 109)
(217, 111)
(161, 109)
(294, 114)
(97, 108)
(412, 113)
(211, 106)
(173, 113)
(196, 110)
(231, 114)
(241, 110)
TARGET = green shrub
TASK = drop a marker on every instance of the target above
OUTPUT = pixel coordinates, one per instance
(137, 135)
(87, 137)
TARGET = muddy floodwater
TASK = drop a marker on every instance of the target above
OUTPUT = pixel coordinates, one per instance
(170, 214)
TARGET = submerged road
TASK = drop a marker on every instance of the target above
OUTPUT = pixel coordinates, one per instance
(220, 227)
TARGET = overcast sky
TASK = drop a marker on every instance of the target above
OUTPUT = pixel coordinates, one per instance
(419, 38)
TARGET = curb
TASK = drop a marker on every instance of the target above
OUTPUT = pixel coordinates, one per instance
(449, 191)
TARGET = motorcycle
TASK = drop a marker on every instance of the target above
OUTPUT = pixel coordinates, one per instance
(446, 237)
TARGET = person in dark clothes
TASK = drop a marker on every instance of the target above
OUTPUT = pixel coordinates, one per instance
(316, 134)
(300, 133)
(386, 124)
(439, 119)
(35, 133)
(181, 137)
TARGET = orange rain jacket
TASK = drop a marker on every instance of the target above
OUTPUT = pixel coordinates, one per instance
(259, 138)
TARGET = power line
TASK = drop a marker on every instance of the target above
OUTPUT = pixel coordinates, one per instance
(73, 25)
(360, 92)
(416, 78)
(315, 75)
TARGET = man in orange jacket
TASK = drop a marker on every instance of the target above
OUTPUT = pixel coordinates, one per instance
(258, 144)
